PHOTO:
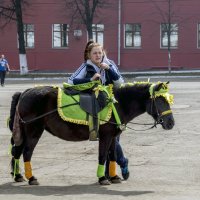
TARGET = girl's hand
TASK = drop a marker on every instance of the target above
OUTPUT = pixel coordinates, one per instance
(104, 66)
(95, 77)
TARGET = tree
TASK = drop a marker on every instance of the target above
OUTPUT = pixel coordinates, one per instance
(168, 14)
(12, 11)
(84, 11)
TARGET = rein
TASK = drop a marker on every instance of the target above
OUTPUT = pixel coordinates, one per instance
(53, 111)
(157, 121)
(160, 121)
(45, 114)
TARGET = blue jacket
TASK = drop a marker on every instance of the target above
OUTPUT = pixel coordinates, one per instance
(3, 64)
(86, 71)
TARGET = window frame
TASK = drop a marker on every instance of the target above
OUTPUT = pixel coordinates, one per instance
(134, 32)
(61, 33)
(26, 33)
(97, 31)
(174, 33)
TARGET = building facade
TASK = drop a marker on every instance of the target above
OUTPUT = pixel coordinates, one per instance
(133, 32)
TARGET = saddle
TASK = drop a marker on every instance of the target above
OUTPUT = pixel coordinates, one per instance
(91, 102)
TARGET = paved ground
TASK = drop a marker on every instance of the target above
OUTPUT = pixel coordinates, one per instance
(164, 165)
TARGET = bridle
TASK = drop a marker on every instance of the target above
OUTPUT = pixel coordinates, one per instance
(158, 119)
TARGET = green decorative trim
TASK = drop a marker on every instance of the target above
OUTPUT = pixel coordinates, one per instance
(116, 115)
(10, 149)
(83, 86)
(16, 167)
(100, 171)
(7, 122)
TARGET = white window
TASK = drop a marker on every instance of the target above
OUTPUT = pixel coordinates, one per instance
(169, 32)
(60, 35)
(29, 35)
(133, 37)
(98, 33)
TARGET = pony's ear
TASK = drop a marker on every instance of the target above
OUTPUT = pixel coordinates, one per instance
(158, 86)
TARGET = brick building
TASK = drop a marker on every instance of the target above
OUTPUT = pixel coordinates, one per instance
(132, 31)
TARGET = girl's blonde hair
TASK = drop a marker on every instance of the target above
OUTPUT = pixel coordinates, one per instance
(89, 47)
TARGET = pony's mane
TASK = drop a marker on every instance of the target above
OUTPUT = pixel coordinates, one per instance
(136, 86)
(136, 89)
(148, 87)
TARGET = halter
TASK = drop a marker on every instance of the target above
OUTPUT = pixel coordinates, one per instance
(159, 119)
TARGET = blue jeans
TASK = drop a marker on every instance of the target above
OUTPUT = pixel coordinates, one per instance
(2, 77)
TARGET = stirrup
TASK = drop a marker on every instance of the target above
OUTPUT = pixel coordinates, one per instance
(93, 136)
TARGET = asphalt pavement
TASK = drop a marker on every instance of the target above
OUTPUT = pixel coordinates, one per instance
(164, 165)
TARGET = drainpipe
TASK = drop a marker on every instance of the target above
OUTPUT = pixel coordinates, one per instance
(119, 32)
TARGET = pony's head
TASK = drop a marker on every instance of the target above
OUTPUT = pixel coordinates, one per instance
(158, 105)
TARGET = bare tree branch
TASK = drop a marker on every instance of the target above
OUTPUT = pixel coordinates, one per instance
(11, 10)
(84, 11)
(6, 14)
(169, 16)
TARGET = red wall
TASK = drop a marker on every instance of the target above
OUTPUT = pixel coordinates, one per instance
(44, 57)
(187, 55)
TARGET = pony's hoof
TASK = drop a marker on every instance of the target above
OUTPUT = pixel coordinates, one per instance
(104, 181)
(115, 179)
(33, 181)
(19, 178)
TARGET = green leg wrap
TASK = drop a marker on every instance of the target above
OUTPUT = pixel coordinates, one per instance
(10, 149)
(100, 171)
(16, 167)
(7, 122)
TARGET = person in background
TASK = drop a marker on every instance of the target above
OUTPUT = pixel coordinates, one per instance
(97, 66)
(4, 67)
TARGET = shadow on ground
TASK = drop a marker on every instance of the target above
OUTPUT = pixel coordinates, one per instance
(13, 189)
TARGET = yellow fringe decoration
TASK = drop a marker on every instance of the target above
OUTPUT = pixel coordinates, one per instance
(112, 169)
(85, 122)
(60, 111)
(28, 170)
(164, 92)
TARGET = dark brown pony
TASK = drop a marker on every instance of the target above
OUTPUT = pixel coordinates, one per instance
(132, 101)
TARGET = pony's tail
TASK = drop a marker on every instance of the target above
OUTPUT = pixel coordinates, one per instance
(15, 99)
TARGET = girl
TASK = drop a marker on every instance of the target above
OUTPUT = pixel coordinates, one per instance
(98, 66)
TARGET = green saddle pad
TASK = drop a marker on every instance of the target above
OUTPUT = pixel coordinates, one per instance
(75, 114)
